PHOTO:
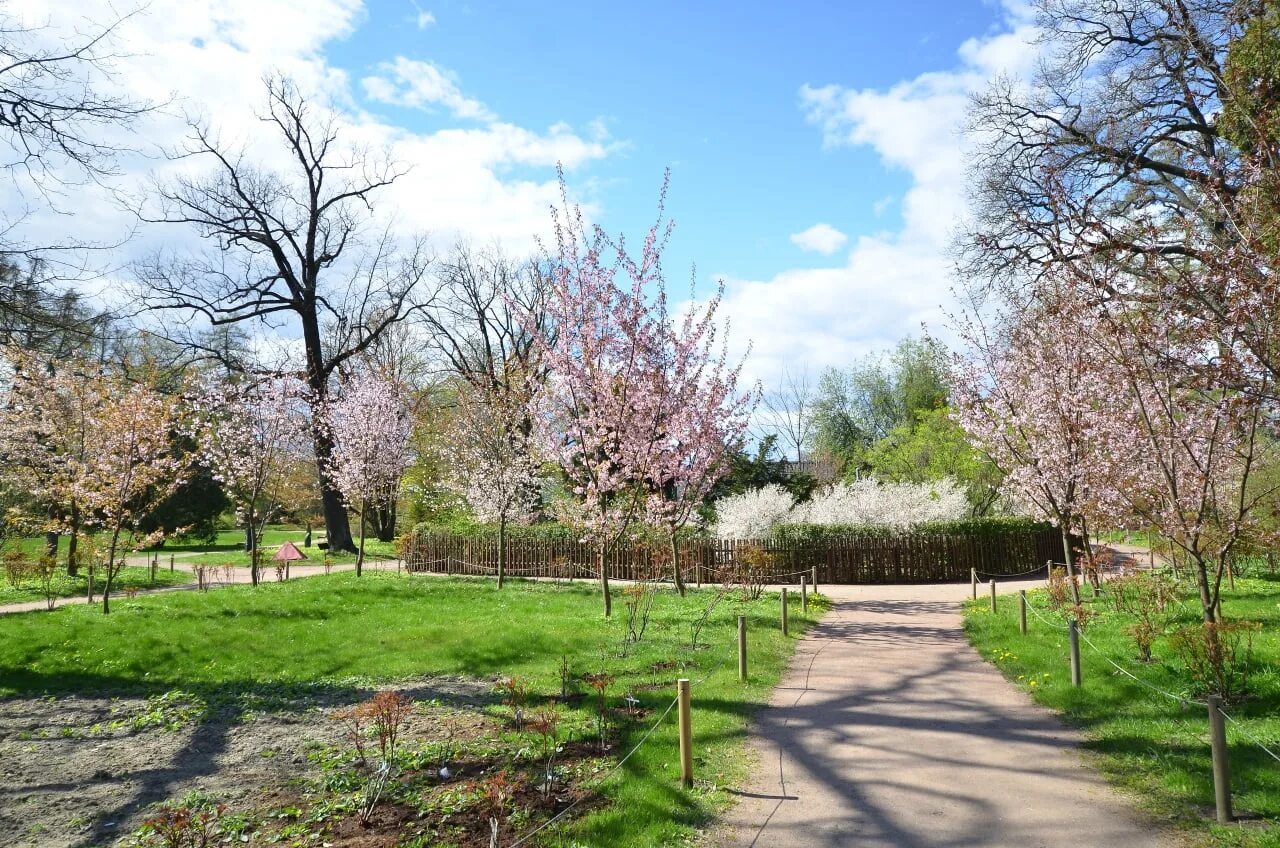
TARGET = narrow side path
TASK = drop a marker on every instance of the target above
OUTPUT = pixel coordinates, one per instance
(240, 574)
(889, 730)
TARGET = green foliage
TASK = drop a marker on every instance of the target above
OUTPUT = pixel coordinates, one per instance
(196, 507)
(933, 447)
(754, 469)
(856, 407)
(1153, 745)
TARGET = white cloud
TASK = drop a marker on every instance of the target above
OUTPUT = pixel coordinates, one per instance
(421, 85)
(422, 18)
(891, 282)
(208, 60)
(820, 238)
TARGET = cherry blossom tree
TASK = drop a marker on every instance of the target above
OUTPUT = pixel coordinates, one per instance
(129, 465)
(599, 415)
(490, 458)
(1019, 391)
(702, 415)
(47, 411)
(1177, 440)
(249, 435)
(370, 425)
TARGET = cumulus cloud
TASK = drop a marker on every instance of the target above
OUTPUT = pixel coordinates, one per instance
(892, 282)
(207, 60)
(422, 85)
(820, 238)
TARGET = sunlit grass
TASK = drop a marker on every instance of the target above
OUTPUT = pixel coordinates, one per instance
(1152, 744)
(251, 643)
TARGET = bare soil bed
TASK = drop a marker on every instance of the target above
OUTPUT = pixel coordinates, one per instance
(86, 771)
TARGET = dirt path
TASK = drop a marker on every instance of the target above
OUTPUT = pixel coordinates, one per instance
(237, 575)
(889, 730)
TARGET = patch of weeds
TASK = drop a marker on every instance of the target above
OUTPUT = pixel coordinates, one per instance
(170, 711)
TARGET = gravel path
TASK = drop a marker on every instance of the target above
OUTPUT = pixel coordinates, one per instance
(890, 730)
(239, 574)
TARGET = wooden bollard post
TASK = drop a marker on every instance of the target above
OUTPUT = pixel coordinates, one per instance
(785, 628)
(973, 580)
(993, 596)
(171, 562)
(1048, 572)
(742, 648)
(813, 577)
(155, 564)
(1073, 639)
(804, 595)
(1221, 774)
(90, 600)
(1022, 611)
(686, 733)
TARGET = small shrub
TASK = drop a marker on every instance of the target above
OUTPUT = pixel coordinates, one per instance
(601, 681)
(382, 716)
(17, 568)
(1217, 655)
(186, 824)
(46, 572)
(515, 694)
(1062, 589)
(752, 570)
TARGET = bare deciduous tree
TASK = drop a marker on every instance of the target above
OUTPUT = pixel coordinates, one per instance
(289, 249)
(787, 412)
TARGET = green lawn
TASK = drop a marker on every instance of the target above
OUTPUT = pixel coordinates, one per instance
(69, 587)
(243, 647)
(1154, 745)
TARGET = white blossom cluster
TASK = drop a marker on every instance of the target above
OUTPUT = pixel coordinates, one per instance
(755, 514)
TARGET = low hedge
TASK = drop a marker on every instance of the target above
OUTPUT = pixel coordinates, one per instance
(979, 528)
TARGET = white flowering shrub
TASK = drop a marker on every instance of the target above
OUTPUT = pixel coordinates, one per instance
(898, 505)
(753, 514)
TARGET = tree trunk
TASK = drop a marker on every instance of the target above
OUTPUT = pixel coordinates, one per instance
(601, 559)
(73, 538)
(502, 550)
(111, 570)
(251, 545)
(675, 564)
(360, 551)
(1207, 601)
(1071, 572)
(384, 519)
(337, 524)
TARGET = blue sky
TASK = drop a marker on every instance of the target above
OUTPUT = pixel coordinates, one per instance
(817, 163)
(709, 90)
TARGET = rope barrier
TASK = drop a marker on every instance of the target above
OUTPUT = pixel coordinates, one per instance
(1018, 574)
(1182, 699)
(1037, 614)
(1247, 735)
(522, 840)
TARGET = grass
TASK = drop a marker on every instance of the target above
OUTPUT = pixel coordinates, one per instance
(29, 589)
(243, 647)
(228, 548)
(1151, 744)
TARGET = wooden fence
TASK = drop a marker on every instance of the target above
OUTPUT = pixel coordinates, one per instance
(932, 558)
